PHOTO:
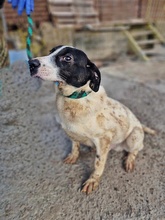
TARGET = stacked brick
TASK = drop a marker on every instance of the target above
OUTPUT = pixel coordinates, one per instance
(39, 15)
(113, 10)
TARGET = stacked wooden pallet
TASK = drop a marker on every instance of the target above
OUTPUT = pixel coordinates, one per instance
(85, 12)
(62, 12)
(72, 12)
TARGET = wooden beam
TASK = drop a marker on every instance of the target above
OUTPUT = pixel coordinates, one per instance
(156, 33)
(148, 41)
(135, 46)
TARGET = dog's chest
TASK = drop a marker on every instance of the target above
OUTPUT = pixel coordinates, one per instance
(72, 113)
(72, 110)
(73, 117)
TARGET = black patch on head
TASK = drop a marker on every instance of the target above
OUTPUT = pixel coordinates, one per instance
(76, 69)
(55, 48)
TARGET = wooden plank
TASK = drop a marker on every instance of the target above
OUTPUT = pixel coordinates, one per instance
(140, 33)
(150, 52)
(63, 14)
(145, 42)
(135, 46)
(100, 28)
(92, 14)
(56, 2)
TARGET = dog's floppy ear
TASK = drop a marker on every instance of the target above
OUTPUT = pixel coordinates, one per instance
(95, 76)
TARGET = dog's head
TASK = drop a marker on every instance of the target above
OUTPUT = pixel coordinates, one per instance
(66, 64)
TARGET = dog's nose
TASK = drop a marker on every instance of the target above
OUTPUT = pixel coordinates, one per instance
(33, 65)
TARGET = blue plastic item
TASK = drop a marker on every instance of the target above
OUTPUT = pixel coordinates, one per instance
(17, 55)
(22, 5)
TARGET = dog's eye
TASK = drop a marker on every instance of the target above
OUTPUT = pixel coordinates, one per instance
(67, 58)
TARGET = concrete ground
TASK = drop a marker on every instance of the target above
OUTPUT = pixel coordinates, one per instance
(36, 185)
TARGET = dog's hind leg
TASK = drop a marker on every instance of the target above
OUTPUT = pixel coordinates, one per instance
(73, 156)
(134, 145)
(102, 149)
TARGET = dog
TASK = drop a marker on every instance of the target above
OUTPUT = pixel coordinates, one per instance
(86, 113)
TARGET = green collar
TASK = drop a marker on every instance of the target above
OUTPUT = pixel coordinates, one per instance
(78, 95)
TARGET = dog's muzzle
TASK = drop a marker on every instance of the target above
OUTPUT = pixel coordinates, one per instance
(34, 65)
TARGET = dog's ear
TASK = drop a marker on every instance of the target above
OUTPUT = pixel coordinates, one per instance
(54, 49)
(95, 76)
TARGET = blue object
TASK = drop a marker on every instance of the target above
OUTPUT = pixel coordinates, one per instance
(17, 55)
(22, 5)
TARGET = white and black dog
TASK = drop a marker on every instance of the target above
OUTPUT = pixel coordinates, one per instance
(86, 113)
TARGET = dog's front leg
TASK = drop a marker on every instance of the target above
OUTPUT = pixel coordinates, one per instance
(102, 149)
(73, 156)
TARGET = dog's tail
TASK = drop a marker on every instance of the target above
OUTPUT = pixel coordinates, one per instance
(148, 130)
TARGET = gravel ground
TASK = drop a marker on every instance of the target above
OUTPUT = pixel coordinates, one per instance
(36, 185)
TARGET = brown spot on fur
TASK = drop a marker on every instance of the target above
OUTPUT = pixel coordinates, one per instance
(121, 120)
(109, 103)
(113, 132)
(107, 141)
(97, 163)
(100, 119)
(101, 98)
(74, 109)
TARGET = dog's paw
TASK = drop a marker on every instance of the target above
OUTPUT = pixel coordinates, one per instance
(90, 185)
(129, 164)
(70, 159)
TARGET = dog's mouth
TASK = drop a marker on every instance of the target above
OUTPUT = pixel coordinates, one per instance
(39, 76)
